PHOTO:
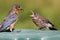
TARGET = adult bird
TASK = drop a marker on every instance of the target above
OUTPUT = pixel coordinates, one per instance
(10, 20)
(41, 22)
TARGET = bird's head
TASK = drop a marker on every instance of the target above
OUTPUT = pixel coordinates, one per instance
(34, 15)
(16, 8)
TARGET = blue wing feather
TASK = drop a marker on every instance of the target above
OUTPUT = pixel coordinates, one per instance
(6, 24)
(10, 20)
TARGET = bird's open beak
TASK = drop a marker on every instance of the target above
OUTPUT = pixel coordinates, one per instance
(32, 14)
(32, 11)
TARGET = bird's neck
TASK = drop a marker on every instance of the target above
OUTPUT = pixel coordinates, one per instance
(13, 11)
(16, 11)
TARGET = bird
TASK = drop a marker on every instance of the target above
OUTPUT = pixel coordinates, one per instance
(9, 21)
(41, 22)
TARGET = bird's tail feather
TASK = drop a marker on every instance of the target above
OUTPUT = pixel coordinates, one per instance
(52, 28)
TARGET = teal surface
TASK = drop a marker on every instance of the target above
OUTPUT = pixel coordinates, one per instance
(30, 35)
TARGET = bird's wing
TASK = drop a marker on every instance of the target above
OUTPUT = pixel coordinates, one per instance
(47, 21)
(9, 20)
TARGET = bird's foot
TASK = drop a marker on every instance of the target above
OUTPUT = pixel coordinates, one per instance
(12, 29)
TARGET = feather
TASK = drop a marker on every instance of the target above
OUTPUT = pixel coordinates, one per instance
(8, 21)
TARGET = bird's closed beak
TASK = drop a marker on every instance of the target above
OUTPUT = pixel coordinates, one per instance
(21, 9)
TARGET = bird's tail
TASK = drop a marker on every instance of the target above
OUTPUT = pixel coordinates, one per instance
(52, 28)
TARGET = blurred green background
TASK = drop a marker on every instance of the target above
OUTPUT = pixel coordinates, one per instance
(47, 8)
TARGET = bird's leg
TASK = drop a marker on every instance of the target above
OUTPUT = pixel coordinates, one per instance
(11, 27)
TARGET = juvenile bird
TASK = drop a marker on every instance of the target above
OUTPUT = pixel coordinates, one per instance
(10, 20)
(41, 22)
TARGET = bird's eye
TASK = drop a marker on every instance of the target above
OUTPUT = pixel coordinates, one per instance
(18, 6)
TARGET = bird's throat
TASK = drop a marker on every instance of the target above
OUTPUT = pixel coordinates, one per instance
(16, 11)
